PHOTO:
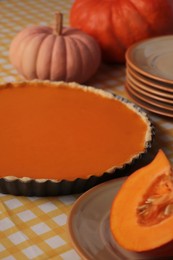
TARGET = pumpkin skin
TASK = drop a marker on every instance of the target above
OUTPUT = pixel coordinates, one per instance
(140, 218)
(46, 53)
(116, 24)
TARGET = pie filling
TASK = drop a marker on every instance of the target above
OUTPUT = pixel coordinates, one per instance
(65, 132)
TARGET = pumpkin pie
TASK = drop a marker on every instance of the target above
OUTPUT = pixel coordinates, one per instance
(56, 137)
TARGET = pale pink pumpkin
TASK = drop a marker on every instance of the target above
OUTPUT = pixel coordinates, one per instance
(41, 52)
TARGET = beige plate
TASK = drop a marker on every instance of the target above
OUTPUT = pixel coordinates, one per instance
(156, 94)
(154, 84)
(146, 105)
(134, 90)
(148, 97)
(153, 58)
(88, 225)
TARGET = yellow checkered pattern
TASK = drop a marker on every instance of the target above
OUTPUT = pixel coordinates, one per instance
(35, 228)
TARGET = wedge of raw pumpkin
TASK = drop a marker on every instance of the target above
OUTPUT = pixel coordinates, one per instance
(141, 216)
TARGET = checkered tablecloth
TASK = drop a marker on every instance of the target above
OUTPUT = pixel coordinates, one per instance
(35, 228)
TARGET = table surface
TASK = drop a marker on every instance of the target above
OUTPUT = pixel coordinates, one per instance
(35, 228)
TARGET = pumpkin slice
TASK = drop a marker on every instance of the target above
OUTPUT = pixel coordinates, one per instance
(62, 131)
(142, 212)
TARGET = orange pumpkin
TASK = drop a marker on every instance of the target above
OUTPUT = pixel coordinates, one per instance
(56, 54)
(142, 212)
(116, 24)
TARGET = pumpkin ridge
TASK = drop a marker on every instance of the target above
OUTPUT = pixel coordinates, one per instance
(149, 26)
(51, 57)
(65, 66)
(111, 55)
(47, 35)
(72, 54)
(81, 42)
(58, 58)
(115, 32)
(36, 53)
(36, 72)
(81, 66)
(25, 43)
(85, 46)
(90, 4)
(18, 37)
(118, 38)
(17, 65)
(37, 56)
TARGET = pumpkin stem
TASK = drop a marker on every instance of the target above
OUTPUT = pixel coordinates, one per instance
(58, 23)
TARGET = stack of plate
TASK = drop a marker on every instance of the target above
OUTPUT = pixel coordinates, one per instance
(149, 74)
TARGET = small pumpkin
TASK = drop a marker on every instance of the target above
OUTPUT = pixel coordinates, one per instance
(41, 52)
(141, 216)
(116, 24)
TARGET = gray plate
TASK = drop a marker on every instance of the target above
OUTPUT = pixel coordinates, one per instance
(88, 226)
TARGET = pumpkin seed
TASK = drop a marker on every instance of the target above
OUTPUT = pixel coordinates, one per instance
(142, 209)
(150, 200)
(168, 210)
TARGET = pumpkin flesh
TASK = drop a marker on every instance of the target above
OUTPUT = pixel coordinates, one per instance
(141, 215)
